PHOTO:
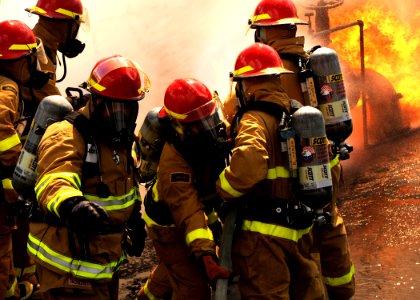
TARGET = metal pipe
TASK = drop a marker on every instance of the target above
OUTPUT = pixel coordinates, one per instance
(362, 69)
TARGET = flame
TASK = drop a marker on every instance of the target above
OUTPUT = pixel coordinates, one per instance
(392, 42)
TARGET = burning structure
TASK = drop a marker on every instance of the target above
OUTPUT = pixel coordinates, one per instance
(377, 60)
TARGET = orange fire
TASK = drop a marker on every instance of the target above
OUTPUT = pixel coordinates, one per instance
(392, 44)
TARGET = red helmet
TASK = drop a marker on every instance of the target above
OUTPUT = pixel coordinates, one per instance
(16, 40)
(187, 100)
(58, 9)
(275, 12)
(258, 60)
(119, 78)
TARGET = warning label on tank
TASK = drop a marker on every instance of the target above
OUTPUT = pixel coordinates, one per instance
(315, 177)
(335, 112)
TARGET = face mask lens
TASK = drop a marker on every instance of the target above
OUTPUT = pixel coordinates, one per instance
(121, 118)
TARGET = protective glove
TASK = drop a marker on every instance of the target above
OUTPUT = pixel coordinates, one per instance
(212, 269)
(84, 217)
(135, 234)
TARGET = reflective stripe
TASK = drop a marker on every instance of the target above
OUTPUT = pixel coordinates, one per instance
(7, 184)
(260, 17)
(242, 70)
(113, 203)
(38, 9)
(77, 268)
(148, 293)
(200, 233)
(9, 143)
(337, 281)
(175, 115)
(150, 222)
(67, 13)
(225, 185)
(275, 230)
(155, 192)
(278, 172)
(65, 193)
(11, 291)
(72, 178)
(96, 85)
(25, 271)
(23, 46)
(58, 198)
(335, 161)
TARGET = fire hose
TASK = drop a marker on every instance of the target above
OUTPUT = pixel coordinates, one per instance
(225, 257)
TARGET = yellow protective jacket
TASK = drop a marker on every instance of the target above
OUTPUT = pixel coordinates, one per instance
(176, 190)
(290, 50)
(10, 144)
(61, 153)
(259, 172)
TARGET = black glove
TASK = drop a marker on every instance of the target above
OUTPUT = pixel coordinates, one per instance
(83, 216)
(135, 233)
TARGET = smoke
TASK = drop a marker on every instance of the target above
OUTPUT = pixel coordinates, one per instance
(169, 39)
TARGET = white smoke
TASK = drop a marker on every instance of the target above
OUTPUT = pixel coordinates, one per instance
(169, 39)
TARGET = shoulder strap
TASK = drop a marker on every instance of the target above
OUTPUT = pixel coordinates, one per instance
(271, 108)
(80, 122)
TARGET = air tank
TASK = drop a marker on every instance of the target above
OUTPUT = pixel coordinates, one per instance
(330, 93)
(151, 137)
(50, 110)
(314, 173)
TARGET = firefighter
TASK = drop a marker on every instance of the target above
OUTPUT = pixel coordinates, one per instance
(20, 53)
(86, 190)
(275, 23)
(58, 26)
(178, 203)
(275, 229)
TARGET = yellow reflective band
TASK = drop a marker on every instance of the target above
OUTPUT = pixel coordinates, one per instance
(43, 182)
(113, 203)
(148, 293)
(335, 161)
(7, 184)
(337, 281)
(78, 268)
(278, 172)
(23, 46)
(38, 9)
(155, 192)
(242, 70)
(225, 185)
(24, 271)
(176, 115)
(150, 223)
(11, 291)
(275, 230)
(68, 13)
(96, 85)
(200, 233)
(9, 142)
(260, 17)
(55, 202)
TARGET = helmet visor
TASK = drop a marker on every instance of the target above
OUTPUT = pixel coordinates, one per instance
(40, 52)
(120, 117)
